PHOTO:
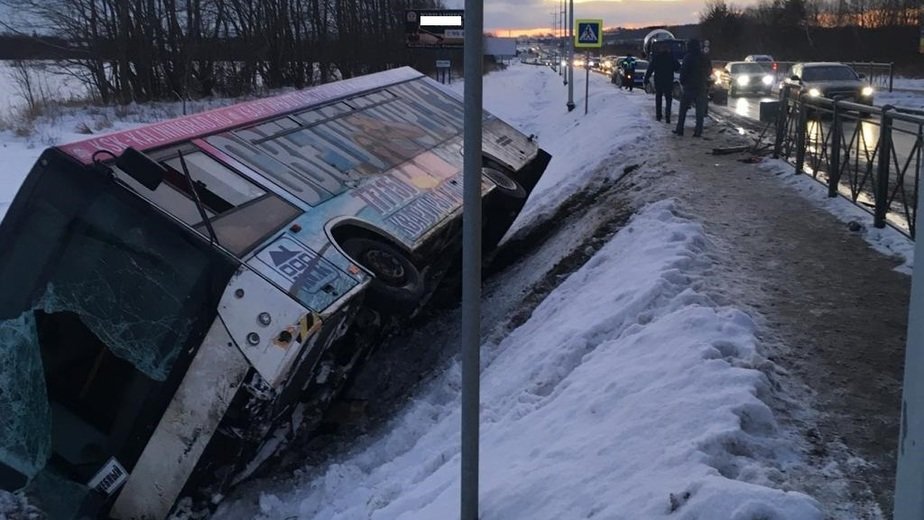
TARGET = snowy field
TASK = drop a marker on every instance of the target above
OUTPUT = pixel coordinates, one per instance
(627, 394)
(48, 82)
(78, 120)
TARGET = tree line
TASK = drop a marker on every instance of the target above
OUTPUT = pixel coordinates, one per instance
(791, 30)
(142, 50)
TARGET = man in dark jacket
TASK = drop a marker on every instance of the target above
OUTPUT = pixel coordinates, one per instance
(662, 66)
(694, 78)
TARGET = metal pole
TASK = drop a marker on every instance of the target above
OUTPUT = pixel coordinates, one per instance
(570, 104)
(471, 256)
(834, 169)
(781, 119)
(909, 477)
(891, 75)
(882, 173)
(586, 79)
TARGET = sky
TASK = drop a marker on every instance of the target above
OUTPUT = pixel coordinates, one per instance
(520, 16)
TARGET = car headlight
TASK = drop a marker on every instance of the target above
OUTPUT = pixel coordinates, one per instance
(564, 63)
(867, 91)
(607, 63)
(767, 80)
(590, 63)
(814, 92)
(743, 80)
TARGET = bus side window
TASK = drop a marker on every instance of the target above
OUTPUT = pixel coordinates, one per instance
(242, 213)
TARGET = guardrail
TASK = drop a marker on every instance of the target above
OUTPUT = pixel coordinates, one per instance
(871, 155)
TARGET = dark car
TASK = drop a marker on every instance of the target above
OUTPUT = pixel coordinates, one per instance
(739, 77)
(620, 78)
(829, 80)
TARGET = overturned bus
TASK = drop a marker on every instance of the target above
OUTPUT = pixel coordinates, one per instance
(177, 299)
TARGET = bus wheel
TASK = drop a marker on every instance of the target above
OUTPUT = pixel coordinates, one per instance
(398, 284)
(507, 186)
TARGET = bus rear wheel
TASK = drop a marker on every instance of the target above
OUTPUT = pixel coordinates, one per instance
(512, 193)
(398, 283)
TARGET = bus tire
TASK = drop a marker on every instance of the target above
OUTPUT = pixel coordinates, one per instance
(398, 284)
(512, 194)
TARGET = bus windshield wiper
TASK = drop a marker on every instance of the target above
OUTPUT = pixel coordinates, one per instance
(213, 238)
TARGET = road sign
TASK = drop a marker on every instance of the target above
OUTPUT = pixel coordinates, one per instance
(588, 34)
(443, 64)
(434, 28)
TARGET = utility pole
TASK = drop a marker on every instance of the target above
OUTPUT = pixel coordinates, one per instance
(570, 104)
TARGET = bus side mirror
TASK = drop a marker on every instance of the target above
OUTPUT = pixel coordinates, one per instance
(141, 168)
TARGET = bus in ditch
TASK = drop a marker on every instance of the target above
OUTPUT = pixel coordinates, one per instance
(177, 300)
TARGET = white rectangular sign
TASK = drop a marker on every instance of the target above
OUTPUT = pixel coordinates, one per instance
(440, 21)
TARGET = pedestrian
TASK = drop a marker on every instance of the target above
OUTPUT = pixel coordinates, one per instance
(694, 80)
(628, 72)
(663, 66)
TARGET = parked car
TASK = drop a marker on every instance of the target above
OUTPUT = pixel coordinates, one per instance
(829, 80)
(181, 299)
(759, 58)
(741, 77)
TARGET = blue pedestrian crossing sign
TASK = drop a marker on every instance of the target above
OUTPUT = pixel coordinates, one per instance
(588, 34)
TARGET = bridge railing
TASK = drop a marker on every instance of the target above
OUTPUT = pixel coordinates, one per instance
(870, 155)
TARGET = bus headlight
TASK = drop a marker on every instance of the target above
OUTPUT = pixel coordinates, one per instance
(814, 92)
(767, 80)
(743, 81)
(867, 91)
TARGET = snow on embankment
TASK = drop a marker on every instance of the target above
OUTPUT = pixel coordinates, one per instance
(625, 395)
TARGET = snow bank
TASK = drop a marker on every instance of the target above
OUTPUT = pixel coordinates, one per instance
(533, 100)
(626, 395)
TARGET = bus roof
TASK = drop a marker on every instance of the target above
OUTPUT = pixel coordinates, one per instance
(221, 119)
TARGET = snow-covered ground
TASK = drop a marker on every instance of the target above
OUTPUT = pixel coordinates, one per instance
(908, 83)
(908, 93)
(627, 394)
(901, 99)
(47, 82)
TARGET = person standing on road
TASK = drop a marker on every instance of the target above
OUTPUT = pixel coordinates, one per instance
(628, 72)
(694, 79)
(662, 67)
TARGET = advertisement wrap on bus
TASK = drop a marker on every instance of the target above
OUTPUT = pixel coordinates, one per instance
(181, 299)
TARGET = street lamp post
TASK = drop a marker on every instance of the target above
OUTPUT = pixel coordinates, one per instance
(570, 55)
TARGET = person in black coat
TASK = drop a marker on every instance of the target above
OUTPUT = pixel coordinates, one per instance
(662, 66)
(694, 78)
